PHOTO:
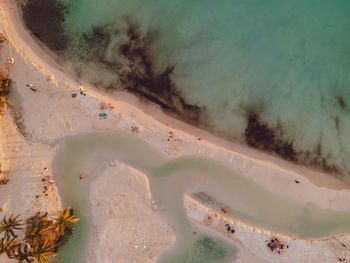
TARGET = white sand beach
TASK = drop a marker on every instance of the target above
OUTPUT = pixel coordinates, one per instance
(131, 230)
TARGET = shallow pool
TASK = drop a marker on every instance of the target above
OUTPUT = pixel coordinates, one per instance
(169, 181)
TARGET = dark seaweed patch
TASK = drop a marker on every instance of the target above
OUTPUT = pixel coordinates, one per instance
(336, 120)
(316, 159)
(261, 136)
(97, 43)
(341, 102)
(45, 19)
(134, 64)
(143, 78)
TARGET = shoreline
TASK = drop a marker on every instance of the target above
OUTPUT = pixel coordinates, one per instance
(239, 158)
(144, 100)
(252, 240)
(81, 114)
(317, 177)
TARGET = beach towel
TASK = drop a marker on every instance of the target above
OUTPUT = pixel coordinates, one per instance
(103, 115)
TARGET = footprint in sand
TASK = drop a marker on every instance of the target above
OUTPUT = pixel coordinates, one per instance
(110, 212)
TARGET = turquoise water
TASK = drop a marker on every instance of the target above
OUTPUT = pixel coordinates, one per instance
(169, 181)
(286, 62)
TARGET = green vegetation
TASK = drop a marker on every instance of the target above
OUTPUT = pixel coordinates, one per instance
(41, 236)
(7, 226)
(65, 222)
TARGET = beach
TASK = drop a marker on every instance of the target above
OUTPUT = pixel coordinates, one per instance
(131, 228)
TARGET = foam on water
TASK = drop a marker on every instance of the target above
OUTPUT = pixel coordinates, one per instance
(286, 63)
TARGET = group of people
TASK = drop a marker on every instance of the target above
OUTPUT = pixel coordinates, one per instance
(342, 260)
(107, 106)
(226, 211)
(104, 115)
(276, 245)
(172, 137)
(4, 174)
(229, 229)
(4, 181)
(48, 179)
(82, 176)
(11, 60)
(227, 226)
(82, 90)
(31, 86)
(134, 129)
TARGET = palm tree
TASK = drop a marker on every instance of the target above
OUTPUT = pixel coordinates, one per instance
(2, 246)
(23, 254)
(9, 225)
(37, 231)
(44, 250)
(8, 246)
(65, 221)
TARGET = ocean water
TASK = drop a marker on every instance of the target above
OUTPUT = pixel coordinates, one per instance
(273, 74)
(169, 181)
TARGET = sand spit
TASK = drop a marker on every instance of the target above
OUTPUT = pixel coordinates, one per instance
(252, 241)
(51, 113)
(130, 228)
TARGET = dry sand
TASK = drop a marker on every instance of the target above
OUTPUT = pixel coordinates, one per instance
(29, 142)
(131, 230)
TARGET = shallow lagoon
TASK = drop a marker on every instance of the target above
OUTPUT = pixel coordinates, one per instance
(169, 180)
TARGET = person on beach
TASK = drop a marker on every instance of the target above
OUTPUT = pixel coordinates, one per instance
(82, 176)
(82, 90)
(4, 181)
(11, 60)
(342, 244)
(276, 245)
